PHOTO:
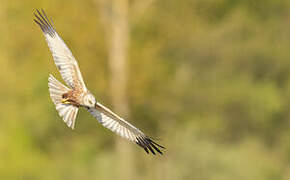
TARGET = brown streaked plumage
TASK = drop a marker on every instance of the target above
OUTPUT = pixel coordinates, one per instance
(69, 99)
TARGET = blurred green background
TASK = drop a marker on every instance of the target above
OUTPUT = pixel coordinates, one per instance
(210, 79)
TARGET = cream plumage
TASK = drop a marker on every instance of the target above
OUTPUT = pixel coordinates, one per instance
(69, 99)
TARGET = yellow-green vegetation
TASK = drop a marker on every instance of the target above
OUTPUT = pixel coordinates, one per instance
(209, 78)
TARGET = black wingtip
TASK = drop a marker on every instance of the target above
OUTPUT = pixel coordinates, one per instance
(149, 145)
(44, 23)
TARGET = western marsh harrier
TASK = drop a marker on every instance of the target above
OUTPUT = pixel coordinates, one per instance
(69, 99)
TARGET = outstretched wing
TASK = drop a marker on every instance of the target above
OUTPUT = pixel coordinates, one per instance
(124, 129)
(63, 58)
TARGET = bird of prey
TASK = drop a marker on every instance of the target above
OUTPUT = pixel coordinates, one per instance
(69, 99)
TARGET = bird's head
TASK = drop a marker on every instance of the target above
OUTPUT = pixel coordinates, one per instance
(89, 100)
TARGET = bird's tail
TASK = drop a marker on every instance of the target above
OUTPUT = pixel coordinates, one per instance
(66, 111)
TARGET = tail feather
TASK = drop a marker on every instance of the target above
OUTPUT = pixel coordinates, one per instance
(67, 112)
(56, 90)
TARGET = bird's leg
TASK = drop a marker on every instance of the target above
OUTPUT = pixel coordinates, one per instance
(65, 101)
(68, 98)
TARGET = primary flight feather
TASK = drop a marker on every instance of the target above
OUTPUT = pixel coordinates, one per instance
(69, 99)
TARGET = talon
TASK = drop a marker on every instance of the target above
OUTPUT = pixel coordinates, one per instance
(65, 101)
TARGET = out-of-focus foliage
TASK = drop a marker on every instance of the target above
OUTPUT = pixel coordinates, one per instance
(209, 78)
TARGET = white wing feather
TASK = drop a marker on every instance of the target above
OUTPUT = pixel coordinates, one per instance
(63, 58)
(122, 128)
